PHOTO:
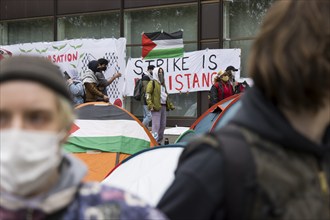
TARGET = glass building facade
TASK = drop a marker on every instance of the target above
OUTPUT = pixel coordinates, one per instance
(206, 24)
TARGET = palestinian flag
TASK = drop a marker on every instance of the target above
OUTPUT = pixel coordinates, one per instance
(106, 128)
(162, 45)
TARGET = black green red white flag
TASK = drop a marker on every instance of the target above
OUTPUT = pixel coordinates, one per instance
(106, 128)
(162, 45)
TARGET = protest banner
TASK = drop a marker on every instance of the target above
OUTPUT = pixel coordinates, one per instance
(193, 72)
(73, 57)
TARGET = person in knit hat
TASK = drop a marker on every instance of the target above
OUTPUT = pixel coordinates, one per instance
(37, 179)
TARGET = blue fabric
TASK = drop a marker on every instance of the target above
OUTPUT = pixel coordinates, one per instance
(147, 117)
(77, 90)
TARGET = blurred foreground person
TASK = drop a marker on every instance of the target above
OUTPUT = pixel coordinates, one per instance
(272, 160)
(37, 180)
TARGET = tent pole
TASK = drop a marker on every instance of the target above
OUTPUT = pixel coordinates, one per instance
(117, 158)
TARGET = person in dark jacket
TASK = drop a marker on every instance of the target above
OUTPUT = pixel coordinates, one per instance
(102, 81)
(272, 160)
(91, 82)
(238, 87)
(95, 82)
(38, 180)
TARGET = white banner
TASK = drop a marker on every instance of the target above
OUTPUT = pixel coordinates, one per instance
(193, 72)
(73, 56)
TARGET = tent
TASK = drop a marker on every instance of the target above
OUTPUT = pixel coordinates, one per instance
(214, 118)
(150, 172)
(103, 135)
(147, 173)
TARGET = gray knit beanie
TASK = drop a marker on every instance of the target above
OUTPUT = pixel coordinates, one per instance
(35, 69)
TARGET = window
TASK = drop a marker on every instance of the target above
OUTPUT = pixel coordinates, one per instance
(245, 46)
(89, 26)
(34, 30)
(168, 19)
(242, 20)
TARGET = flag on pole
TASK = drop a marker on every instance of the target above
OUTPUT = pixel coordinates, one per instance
(162, 45)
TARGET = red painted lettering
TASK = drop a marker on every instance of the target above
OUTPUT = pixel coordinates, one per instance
(195, 81)
(188, 79)
(75, 56)
(64, 57)
(170, 82)
(69, 57)
(179, 82)
(205, 79)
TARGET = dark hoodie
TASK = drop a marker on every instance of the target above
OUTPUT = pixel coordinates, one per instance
(198, 190)
(264, 118)
(92, 65)
(91, 82)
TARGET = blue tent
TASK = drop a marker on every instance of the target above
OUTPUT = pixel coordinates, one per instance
(214, 118)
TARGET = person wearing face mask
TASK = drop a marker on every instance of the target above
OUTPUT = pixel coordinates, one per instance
(221, 88)
(231, 73)
(102, 81)
(95, 81)
(146, 77)
(37, 179)
(158, 104)
(90, 81)
(238, 87)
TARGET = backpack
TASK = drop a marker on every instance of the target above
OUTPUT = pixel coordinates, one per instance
(214, 94)
(241, 87)
(137, 95)
(240, 175)
(251, 191)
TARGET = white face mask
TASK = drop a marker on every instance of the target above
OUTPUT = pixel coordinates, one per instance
(27, 160)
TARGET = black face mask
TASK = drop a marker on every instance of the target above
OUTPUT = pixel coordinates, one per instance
(102, 68)
(161, 78)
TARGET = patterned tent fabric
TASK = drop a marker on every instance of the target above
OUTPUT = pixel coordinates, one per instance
(105, 134)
